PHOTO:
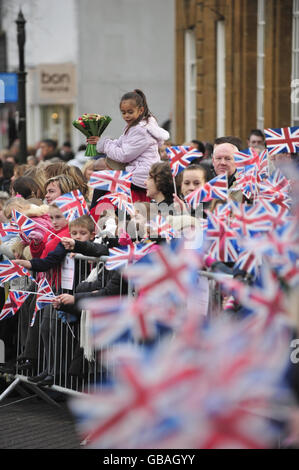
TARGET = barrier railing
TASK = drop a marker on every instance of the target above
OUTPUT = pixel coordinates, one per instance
(61, 348)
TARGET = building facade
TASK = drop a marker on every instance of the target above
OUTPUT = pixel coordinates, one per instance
(81, 56)
(237, 67)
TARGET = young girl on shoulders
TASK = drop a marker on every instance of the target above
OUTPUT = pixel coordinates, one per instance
(137, 148)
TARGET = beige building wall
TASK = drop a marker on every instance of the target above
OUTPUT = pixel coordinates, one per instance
(240, 23)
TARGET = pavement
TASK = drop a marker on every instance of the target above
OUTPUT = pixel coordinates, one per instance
(30, 422)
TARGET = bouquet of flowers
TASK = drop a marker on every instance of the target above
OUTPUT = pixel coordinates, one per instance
(89, 125)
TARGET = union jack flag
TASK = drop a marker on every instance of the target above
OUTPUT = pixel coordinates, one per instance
(223, 211)
(249, 219)
(8, 229)
(249, 261)
(159, 227)
(176, 397)
(25, 224)
(263, 170)
(112, 181)
(72, 205)
(121, 256)
(276, 183)
(120, 200)
(117, 317)
(280, 245)
(247, 157)
(266, 297)
(139, 397)
(280, 199)
(181, 156)
(282, 140)
(168, 271)
(221, 240)
(13, 302)
(44, 296)
(276, 214)
(11, 270)
(247, 180)
(214, 189)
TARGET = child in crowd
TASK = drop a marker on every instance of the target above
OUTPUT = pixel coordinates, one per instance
(17, 245)
(193, 177)
(159, 184)
(81, 229)
(138, 146)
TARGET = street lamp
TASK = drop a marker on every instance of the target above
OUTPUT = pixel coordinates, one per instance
(22, 131)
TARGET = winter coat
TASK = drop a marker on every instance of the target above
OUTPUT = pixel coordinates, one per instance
(138, 148)
(113, 283)
(51, 258)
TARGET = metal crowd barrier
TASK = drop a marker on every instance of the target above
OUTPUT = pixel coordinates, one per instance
(62, 350)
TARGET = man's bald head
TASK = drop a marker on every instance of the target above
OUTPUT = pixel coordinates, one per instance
(223, 158)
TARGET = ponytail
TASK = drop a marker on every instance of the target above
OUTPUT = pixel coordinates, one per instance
(146, 113)
(139, 97)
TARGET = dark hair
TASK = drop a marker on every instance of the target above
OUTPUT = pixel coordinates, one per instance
(200, 146)
(229, 140)
(26, 187)
(50, 143)
(81, 147)
(162, 175)
(139, 97)
(8, 170)
(256, 132)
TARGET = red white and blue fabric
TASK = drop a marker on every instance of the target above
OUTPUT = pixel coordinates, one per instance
(248, 261)
(119, 257)
(72, 205)
(263, 169)
(10, 270)
(276, 214)
(180, 156)
(8, 229)
(122, 201)
(112, 181)
(281, 246)
(249, 220)
(201, 393)
(12, 304)
(282, 140)
(276, 183)
(221, 240)
(247, 157)
(44, 296)
(25, 224)
(169, 271)
(116, 319)
(246, 181)
(159, 227)
(223, 211)
(214, 189)
(266, 297)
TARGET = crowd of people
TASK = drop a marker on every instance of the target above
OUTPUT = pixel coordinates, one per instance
(32, 188)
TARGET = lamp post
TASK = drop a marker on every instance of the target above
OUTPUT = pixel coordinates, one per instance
(22, 127)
